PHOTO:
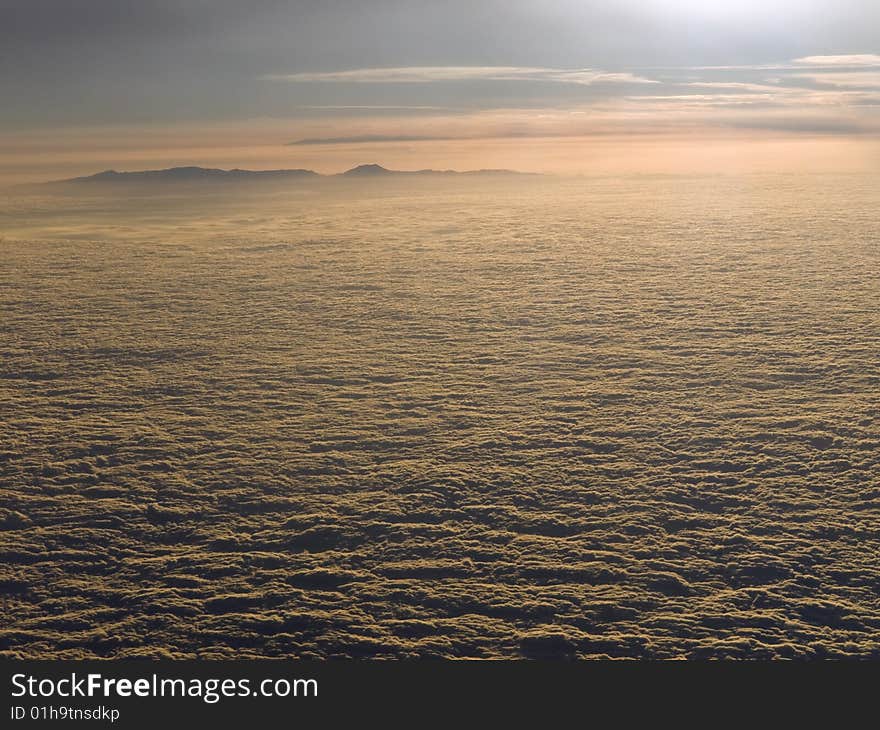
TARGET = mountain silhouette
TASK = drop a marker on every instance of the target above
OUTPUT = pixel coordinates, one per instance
(187, 174)
(199, 174)
(367, 171)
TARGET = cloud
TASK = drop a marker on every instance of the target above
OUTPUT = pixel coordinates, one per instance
(807, 125)
(685, 101)
(852, 79)
(863, 59)
(736, 86)
(429, 74)
(367, 139)
(867, 60)
(374, 107)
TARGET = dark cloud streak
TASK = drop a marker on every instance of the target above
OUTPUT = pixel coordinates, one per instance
(367, 139)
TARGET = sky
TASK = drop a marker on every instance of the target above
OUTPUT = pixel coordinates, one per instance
(547, 85)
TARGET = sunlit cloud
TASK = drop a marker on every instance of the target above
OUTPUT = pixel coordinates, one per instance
(851, 60)
(737, 86)
(862, 59)
(429, 74)
(852, 79)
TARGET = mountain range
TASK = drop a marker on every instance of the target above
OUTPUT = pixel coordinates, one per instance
(197, 174)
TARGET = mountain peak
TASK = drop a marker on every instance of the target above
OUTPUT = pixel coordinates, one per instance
(371, 169)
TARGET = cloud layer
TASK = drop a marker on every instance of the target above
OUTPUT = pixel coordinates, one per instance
(622, 417)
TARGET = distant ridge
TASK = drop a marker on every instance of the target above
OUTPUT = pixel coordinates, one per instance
(187, 174)
(372, 170)
(198, 174)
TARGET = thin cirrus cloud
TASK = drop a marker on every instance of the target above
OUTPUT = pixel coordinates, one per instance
(851, 60)
(368, 139)
(846, 80)
(428, 74)
(856, 59)
(818, 94)
(736, 86)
